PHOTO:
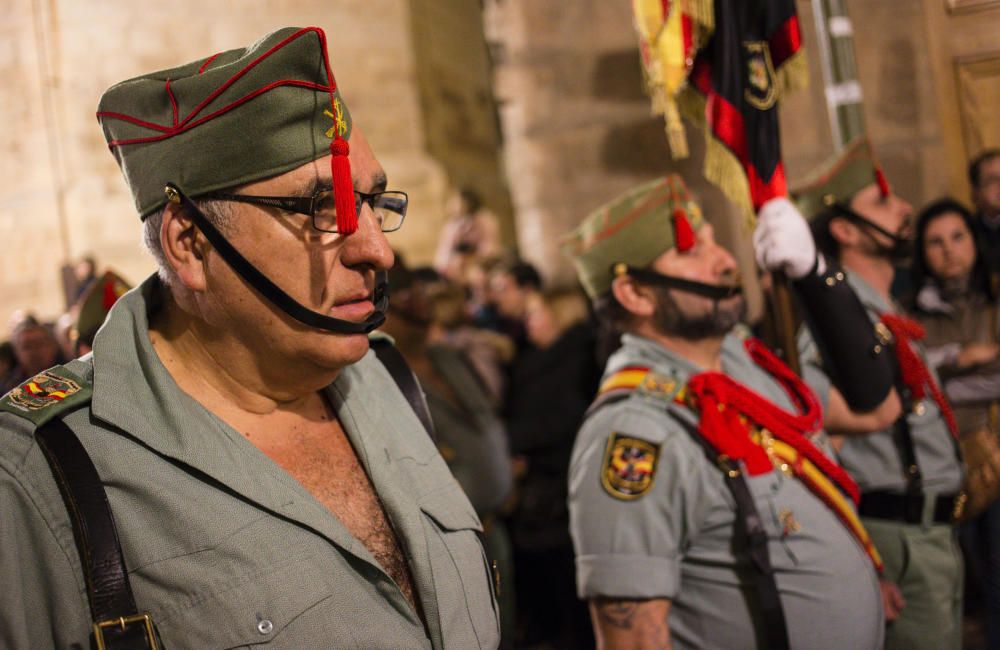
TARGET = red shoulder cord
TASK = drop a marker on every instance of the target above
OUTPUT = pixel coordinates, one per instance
(728, 409)
(916, 377)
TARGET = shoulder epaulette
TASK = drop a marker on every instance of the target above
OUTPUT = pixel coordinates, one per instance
(46, 395)
(643, 380)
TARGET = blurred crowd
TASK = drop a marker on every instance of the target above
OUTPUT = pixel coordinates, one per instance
(509, 366)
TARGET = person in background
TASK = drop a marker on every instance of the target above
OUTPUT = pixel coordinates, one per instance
(7, 361)
(984, 177)
(552, 383)
(489, 352)
(956, 306)
(909, 470)
(471, 232)
(468, 431)
(510, 285)
(35, 348)
(84, 273)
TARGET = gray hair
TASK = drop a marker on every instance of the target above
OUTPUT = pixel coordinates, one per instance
(218, 213)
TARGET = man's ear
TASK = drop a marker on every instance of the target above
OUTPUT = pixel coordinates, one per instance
(842, 230)
(184, 247)
(634, 297)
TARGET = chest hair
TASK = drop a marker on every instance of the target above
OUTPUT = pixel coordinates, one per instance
(321, 458)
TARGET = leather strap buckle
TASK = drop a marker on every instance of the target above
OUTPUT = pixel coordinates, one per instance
(122, 623)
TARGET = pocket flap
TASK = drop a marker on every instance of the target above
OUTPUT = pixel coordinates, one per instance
(451, 512)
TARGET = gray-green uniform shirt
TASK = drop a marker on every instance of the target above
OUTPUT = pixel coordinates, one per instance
(873, 460)
(223, 547)
(676, 540)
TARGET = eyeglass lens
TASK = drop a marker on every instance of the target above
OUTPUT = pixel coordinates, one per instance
(389, 209)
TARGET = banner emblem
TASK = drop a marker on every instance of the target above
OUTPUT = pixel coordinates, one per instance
(760, 91)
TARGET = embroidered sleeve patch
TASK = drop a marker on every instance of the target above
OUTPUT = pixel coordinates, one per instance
(35, 398)
(629, 466)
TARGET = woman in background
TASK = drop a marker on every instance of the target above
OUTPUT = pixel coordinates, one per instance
(956, 304)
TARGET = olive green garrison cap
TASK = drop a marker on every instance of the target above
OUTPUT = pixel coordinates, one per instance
(227, 119)
(839, 179)
(634, 229)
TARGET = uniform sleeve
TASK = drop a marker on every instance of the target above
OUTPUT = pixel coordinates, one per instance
(42, 603)
(632, 548)
(813, 372)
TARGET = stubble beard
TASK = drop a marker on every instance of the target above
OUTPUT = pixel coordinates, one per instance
(670, 320)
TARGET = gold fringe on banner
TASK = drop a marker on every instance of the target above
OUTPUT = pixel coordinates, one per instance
(793, 74)
(701, 12)
(722, 168)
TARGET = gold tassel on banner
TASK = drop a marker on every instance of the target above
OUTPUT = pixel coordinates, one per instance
(666, 61)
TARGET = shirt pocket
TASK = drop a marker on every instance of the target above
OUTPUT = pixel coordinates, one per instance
(283, 608)
(469, 616)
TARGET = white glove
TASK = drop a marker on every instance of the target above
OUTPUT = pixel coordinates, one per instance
(782, 240)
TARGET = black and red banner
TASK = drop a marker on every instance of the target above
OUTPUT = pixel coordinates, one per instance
(739, 75)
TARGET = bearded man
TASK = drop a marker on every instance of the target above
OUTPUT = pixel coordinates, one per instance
(910, 472)
(706, 510)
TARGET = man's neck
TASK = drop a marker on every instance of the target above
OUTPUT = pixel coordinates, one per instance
(705, 353)
(223, 374)
(878, 272)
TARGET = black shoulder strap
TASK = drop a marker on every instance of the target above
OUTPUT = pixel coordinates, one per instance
(405, 380)
(772, 631)
(903, 438)
(118, 625)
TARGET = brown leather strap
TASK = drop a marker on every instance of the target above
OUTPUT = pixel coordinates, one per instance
(108, 588)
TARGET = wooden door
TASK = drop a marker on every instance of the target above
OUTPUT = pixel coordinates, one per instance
(964, 44)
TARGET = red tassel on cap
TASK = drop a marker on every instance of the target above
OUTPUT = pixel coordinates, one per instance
(883, 184)
(683, 233)
(343, 186)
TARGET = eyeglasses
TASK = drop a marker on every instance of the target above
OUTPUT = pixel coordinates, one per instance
(389, 208)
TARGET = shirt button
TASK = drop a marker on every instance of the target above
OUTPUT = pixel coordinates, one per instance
(265, 626)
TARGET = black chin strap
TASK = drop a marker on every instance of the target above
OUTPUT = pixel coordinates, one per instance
(854, 216)
(711, 291)
(273, 292)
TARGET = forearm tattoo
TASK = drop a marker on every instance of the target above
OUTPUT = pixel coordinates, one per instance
(634, 623)
(618, 613)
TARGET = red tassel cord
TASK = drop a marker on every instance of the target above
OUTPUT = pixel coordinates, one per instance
(915, 375)
(343, 186)
(728, 410)
(883, 184)
(683, 232)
